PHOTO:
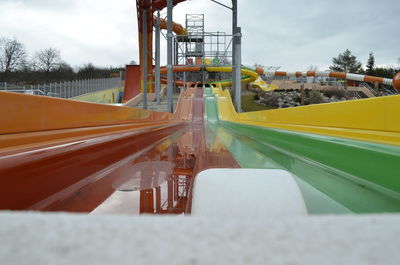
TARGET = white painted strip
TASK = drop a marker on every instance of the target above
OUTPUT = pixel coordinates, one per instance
(303, 73)
(270, 73)
(388, 81)
(355, 77)
(291, 74)
(322, 74)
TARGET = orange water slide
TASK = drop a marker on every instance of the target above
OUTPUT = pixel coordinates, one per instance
(177, 28)
(394, 82)
(64, 155)
(146, 8)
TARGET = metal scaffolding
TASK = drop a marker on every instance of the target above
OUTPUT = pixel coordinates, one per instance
(200, 48)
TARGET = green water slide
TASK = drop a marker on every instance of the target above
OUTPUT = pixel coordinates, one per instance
(331, 180)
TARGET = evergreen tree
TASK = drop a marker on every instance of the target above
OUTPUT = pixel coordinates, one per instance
(370, 64)
(346, 62)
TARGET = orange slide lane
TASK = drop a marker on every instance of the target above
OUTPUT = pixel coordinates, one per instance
(79, 170)
(50, 148)
(33, 120)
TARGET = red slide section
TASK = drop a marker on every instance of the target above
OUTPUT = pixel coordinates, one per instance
(132, 82)
(122, 154)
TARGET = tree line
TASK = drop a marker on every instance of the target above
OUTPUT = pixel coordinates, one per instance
(347, 62)
(45, 65)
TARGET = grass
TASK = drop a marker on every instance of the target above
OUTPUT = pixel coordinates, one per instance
(248, 103)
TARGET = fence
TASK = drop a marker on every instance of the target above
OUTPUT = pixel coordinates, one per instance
(66, 89)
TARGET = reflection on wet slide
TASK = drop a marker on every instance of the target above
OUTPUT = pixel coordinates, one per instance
(143, 164)
(336, 175)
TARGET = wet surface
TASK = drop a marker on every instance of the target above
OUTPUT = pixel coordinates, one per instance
(148, 171)
(155, 183)
(160, 181)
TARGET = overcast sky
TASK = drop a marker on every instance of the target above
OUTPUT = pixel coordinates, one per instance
(293, 34)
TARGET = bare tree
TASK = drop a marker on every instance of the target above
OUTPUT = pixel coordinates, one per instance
(12, 53)
(47, 60)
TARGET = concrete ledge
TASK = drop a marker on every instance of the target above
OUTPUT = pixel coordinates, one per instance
(34, 238)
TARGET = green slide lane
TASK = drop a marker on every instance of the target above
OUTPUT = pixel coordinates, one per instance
(335, 175)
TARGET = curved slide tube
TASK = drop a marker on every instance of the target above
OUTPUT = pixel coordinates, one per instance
(248, 75)
(395, 82)
(260, 84)
(177, 28)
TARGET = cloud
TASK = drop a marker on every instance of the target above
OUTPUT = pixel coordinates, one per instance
(289, 33)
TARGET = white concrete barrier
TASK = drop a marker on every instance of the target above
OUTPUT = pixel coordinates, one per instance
(247, 192)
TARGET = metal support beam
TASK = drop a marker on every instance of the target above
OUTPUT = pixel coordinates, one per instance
(184, 80)
(234, 26)
(203, 58)
(157, 48)
(170, 73)
(221, 4)
(144, 50)
(238, 60)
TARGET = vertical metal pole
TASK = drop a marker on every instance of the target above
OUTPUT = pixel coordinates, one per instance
(170, 73)
(302, 92)
(144, 56)
(184, 80)
(51, 95)
(234, 26)
(170, 185)
(157, 55)
(238, 60)
(203, 71)
(5, 85)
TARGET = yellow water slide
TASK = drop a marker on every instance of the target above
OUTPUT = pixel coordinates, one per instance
(372, 120)
(248, 75)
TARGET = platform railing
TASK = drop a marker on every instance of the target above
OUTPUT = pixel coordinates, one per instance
(64, 89)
